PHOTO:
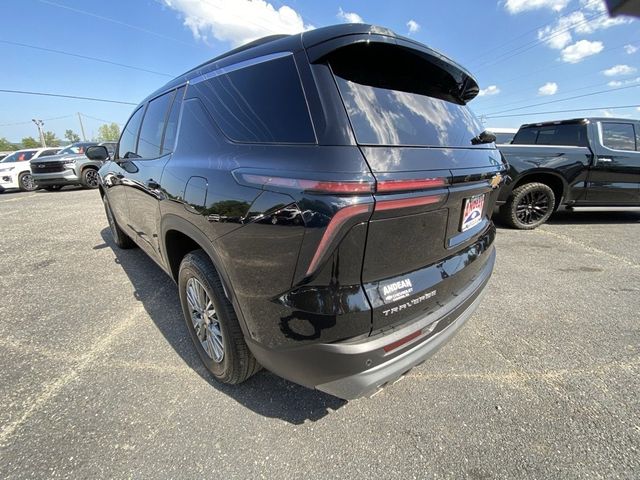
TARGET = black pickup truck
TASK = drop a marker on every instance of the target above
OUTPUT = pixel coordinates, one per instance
(580, 162)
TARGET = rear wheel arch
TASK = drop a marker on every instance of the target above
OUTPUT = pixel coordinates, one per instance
(181, 237)
(552, 179)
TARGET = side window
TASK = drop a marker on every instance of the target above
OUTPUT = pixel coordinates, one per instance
(48, 153)
(262, 103)
(618, 136)
(566, 134)
(525, 136)
(128, 139)
(172, 123)
(198, 133)
(150, 140)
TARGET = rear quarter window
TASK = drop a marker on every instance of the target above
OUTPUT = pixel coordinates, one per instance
(260, 103)
(618, 136)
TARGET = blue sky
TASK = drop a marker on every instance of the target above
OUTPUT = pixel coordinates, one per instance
(523, 52)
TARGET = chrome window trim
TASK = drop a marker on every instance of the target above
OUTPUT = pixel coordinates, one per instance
(238, 66)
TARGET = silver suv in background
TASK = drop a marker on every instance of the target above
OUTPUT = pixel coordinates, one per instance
(70, 167)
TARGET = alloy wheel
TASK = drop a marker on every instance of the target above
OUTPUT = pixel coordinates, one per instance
(205, 320)
(28, 182)
(532, 207)
(92, 178)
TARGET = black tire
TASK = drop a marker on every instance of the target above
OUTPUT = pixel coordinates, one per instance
(529, 206)
(90, 178)
(53, 188)
(237, 364)
(120, 238)
(26, 182)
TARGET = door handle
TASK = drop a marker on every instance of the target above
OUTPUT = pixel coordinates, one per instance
(605, 160)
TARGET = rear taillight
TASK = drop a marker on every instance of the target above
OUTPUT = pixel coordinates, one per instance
(342, 187)
(382, 205)
(385, 186)
(310, 186)
(349, 187)
(337, 221)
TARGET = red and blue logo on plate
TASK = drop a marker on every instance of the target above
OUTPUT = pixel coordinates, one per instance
(472, 212)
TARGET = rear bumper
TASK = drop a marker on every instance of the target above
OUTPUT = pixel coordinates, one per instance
(68, 177)
(355, 368)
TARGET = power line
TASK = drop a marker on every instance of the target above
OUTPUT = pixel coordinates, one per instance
(563, 99)
(618, 107)
(551, 66)
(30, 121)
(118, 22)
(44, 94)
(528, 46)
(100, 119)
(86, 57)
(539, 27)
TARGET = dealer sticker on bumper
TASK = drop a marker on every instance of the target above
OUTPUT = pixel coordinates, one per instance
(472, 212)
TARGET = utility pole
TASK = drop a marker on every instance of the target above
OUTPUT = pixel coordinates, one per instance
(40, 124)
(84, 137)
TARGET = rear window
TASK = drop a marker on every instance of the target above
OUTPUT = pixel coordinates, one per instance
(570, 134)
(261, 103)
(618, 136)
(394, 97)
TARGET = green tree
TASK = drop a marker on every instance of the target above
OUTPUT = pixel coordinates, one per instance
(72, 136)
(30, 142)
(51, 140)
(109, 132)
(6, 145)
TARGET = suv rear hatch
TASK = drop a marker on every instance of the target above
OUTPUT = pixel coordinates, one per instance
(430, 233)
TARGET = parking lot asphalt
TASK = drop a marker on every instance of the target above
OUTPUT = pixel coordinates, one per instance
(98, 377)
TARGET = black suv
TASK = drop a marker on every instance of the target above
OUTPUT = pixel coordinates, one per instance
(322, 201)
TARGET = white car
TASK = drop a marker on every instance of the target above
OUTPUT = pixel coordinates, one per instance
(15, 169)
(503, 135)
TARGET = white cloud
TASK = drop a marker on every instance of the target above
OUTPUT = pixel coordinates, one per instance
(617, 70)
(630, 49)
(580, 50)
(237, 21)
(490, 90)
(620, 83)
(549, 88)
(591, 18)
(349, 17)
(413, 26)
(607, 113)
(518, 6)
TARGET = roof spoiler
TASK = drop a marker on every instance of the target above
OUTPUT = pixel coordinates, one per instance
(322, 42)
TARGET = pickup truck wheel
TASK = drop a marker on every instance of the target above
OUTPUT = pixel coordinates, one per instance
(529, 206)
(90, 178)
(212, 321)
(120, 238)
(26, 182)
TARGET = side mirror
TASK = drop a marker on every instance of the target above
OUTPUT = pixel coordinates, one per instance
(97, 152)
(484, 137)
